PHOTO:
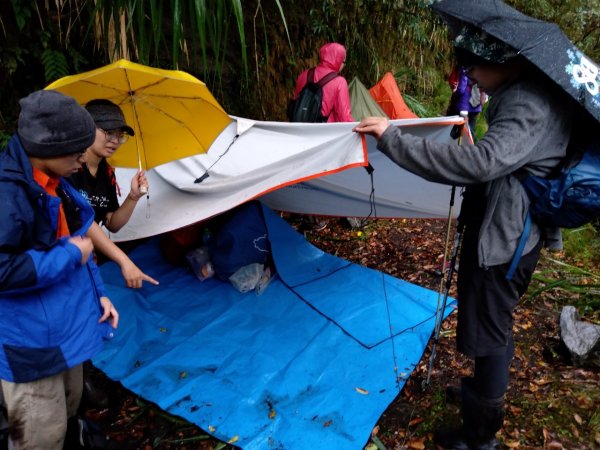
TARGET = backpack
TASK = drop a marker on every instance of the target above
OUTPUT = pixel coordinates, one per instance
(307, 107)
(242, 239)
(572, 198)
(569, 199)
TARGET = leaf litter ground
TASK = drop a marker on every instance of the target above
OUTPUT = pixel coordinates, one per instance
(551, 404)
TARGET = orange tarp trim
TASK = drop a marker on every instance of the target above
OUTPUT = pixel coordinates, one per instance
(387, 94)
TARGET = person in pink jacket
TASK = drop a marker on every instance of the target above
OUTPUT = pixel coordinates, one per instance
(336, 97)
(335, 104)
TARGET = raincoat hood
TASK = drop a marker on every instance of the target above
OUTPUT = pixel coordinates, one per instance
(332, 55)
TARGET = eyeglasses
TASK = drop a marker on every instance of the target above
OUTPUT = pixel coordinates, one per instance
(118, 136)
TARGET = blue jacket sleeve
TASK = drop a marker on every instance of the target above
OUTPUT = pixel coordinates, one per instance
(36, 269)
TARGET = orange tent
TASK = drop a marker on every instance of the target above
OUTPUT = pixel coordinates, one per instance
(387, 94)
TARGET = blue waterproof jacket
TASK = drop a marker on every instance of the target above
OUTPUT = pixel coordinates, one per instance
(49, 301)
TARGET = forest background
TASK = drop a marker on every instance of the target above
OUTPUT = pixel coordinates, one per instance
(249, 53)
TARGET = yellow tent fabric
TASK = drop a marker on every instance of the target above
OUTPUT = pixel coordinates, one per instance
(173, 114)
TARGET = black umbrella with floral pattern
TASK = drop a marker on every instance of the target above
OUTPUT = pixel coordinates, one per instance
(541, 43)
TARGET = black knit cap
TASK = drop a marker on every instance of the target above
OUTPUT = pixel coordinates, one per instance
(53, 124)
(108, 116)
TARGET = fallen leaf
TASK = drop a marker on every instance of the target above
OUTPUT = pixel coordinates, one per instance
(515, 410)
(554, 445)
(575, 431)
(416, 421)
(546, 434)
(512, 444)
(418, 444)
(328, 423)
(361, 391)
(578, 419)
(233, 439)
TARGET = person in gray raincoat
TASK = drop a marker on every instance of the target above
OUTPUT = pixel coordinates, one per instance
(529, 129)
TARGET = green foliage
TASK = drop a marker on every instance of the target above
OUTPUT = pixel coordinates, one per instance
(55, 64)
(580, 20)
(22, 12)
(4, 138)
(583, 244)
(216, 39)
(416, 106)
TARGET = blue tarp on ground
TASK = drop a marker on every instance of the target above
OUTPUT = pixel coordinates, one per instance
(308, 364)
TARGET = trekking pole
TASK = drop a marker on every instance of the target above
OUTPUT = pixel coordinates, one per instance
(439, 314)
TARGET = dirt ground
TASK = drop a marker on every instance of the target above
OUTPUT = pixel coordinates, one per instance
(551, 404)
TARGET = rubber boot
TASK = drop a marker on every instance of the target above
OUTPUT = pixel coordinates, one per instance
(482, 418)
(454, 393)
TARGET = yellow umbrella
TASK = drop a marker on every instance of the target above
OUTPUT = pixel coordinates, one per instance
(173, 114)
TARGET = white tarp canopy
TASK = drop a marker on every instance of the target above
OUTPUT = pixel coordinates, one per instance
(303, 168)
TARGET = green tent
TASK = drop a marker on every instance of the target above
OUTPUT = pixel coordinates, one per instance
(362, 104)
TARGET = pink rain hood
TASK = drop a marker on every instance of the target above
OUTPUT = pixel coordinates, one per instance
(336, 97)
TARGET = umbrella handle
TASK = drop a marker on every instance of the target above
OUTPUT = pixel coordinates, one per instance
(143, 188)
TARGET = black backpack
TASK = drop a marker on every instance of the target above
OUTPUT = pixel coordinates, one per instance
(307, 107)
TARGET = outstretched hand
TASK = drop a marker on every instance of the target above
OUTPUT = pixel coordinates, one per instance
(134, 276)
(374, 126)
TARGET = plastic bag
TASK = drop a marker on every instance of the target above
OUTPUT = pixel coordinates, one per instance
(199, 261)
(247, 277)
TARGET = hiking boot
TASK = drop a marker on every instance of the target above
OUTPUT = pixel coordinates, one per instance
(482, 418)
(84, 434)
(458, 439)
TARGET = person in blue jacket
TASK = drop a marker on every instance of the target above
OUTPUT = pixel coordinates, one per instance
(53, 310)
